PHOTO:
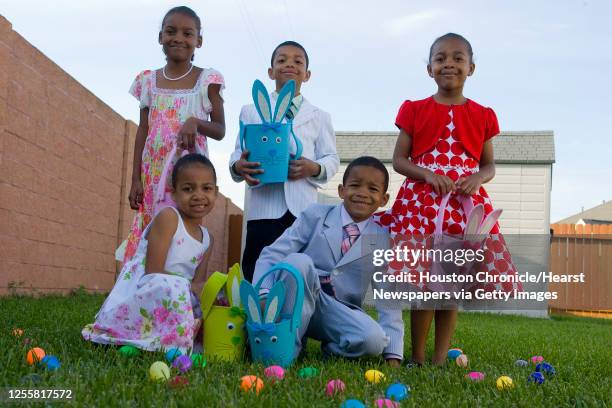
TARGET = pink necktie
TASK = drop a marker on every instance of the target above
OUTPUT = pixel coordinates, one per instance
(350, 235)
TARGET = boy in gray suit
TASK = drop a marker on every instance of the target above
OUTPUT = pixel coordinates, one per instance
(332, 246)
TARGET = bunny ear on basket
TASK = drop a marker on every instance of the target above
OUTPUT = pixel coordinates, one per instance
(262, 101)
(234, 276)
(250, 301)
(274, 304)
(489, 222)
(285, 96)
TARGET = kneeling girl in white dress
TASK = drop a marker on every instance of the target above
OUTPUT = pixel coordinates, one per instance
(152, 305)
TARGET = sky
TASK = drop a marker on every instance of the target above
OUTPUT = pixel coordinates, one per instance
(541, 65)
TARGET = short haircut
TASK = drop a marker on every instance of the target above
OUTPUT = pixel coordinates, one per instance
(186, 11)
(452, 36)
(190, 160)
(292, 44)
(368, 161)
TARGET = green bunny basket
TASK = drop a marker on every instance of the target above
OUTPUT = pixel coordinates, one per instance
(224, 334)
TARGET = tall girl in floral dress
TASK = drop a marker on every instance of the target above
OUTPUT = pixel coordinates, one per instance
(444, 146)
(181, 106)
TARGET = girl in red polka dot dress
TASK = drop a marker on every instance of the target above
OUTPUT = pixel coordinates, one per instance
(444, 146)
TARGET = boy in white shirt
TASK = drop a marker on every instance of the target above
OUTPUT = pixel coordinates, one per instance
(272, 208)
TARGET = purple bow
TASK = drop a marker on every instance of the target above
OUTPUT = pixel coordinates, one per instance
(268, 328)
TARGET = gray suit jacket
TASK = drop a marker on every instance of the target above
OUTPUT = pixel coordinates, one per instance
(317, 232)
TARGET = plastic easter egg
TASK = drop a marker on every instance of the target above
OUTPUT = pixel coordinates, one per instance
(521, 363)
(536, 378)
(504, 383)
(17, 332)
(546, 369)
(374, 376)
(475, 376)
(31, 379)
(537, 359)
(51, 363)
(159, 371)
(335, 387)
(386, 403)
(454, 353)
(35, 355)
(172, 354)
(178, 382)
(198, 360)
(251, 383)
(129, 351)
(183, 363)
(462, 361)
(352, 403)
(308, 372)
(397, 392)
(274, 373)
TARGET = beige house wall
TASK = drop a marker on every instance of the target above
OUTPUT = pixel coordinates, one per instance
(65, 167)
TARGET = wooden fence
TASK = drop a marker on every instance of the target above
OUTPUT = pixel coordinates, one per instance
(584, 249)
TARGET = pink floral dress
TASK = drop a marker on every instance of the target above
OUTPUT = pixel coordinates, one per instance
(153, 311)
(168, 110)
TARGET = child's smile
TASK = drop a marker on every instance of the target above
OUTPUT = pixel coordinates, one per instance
(179, 37)
(195, 191)
(289, 63)
(450, 64)
(364, 192)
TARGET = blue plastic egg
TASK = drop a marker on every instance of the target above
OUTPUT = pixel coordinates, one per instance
(172, 354)
(352, 403)
(536, 378)
(397, 392)
(454, 353)
(521, 363)
(546, 368)
(51, 363)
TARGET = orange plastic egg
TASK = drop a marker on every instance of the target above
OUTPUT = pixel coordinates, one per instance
(35, 355)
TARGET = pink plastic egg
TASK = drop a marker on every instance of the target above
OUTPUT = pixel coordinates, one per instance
(274, 373)
(386, 403)
(334, 387)
(475, 376)
(537, 359)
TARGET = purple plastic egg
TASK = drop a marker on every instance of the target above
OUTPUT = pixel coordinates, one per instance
(183, 363)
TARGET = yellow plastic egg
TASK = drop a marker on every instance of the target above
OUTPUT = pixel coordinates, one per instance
(159, 371)
(374, 376)
(504, 383)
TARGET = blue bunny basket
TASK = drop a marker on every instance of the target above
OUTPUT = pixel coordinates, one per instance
(269, 142)
(272, 342)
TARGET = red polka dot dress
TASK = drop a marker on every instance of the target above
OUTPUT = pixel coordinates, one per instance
(449, 152)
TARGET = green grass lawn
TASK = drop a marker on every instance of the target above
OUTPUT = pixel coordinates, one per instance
(579, 349)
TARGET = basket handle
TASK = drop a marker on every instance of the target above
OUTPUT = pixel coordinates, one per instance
(211, 289)
(296, 316)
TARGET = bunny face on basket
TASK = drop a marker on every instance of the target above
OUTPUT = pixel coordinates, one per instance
(265, 337)
(224, 335)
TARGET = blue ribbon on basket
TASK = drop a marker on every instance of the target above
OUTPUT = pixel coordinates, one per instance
(272, 126)
(267, 328)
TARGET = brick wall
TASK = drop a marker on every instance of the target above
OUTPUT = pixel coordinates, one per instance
(65, 166)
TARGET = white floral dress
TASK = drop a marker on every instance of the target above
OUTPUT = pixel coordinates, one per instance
(153, 311)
